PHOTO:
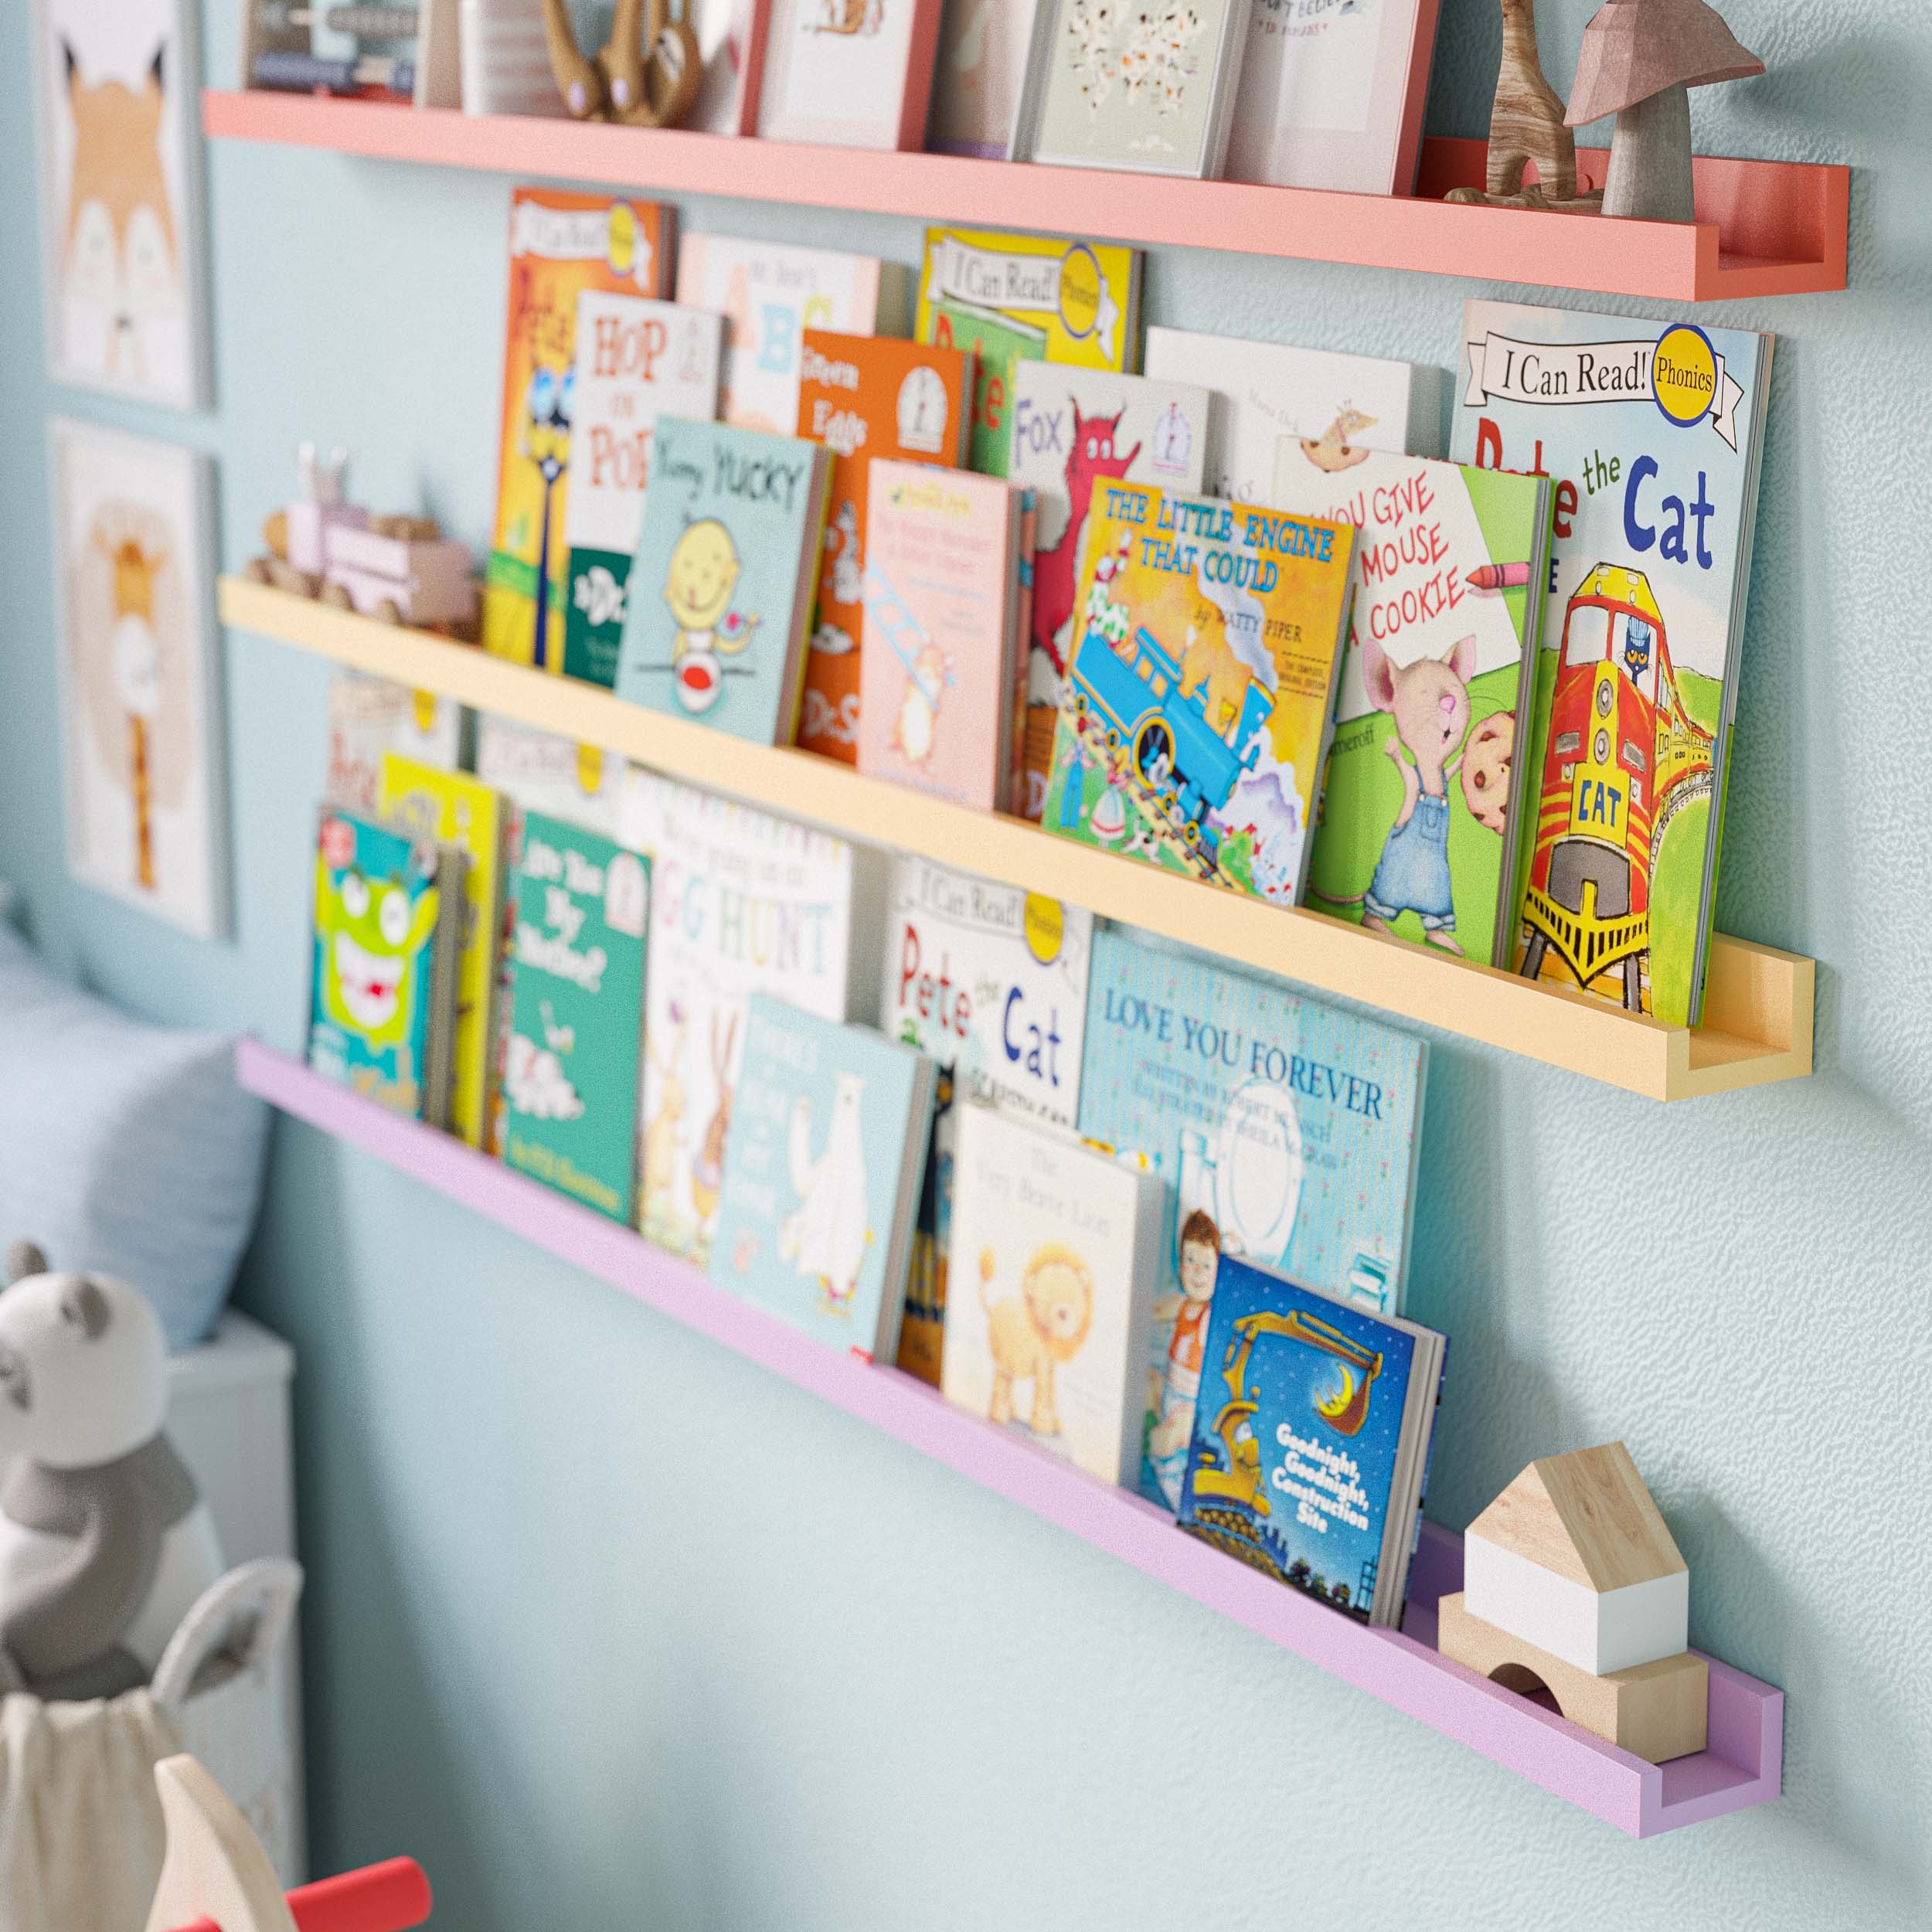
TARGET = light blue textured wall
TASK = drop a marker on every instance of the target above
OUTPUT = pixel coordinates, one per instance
(611, 1629)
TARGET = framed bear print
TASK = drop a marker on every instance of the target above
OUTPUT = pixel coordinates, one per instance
(116, 83)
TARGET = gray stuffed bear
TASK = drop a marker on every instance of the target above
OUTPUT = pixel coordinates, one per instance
(105, 1542)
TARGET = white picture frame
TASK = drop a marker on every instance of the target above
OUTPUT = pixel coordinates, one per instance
(848, 73)
(117, 96)
(143, 747)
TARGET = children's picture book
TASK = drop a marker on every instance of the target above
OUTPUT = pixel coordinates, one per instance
(938, 654)
(990, 983)
(980, 68)
(1055, 1252)
(1009, 298)
(570, 1079)
(1148, 92)
(1418, 832)
(1195, 715)
(637, 359)
(848, 73)
(370, 717)
(1331, 94)
(720, 603)
(1311, 1439)
(864, 397)
(745, 903)
(1341, 405)
(1288, 1131)
(1072, 427)
(1652, 434)
(142, 744)
(822, 1167)
(769, 293)
(561, 245)
(386, 918)
(453, 810)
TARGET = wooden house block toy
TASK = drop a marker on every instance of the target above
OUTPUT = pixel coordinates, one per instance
(1570, 1579)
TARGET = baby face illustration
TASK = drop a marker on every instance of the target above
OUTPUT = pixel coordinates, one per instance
(704, 571)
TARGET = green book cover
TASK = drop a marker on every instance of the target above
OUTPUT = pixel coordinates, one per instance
(999, 343)
(570, 1073)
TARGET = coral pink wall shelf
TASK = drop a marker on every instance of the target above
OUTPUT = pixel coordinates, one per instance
(1764, 227)
(1741, 1767)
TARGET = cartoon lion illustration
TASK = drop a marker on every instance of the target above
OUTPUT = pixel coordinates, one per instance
(1033, 1335)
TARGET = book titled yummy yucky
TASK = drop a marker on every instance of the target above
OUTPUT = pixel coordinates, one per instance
(1054, 1254)
(1195, 715)
(1311, 1441)
(561, 245)
(937, 666)
(1420, 828)
(865, 398)
(453, 810)
(822, 1168)
(1652, 434)
(1009, 298)
(720, 596)
(1288, 1130)
(570, 1082)
(636, 359)
(1071, 427)
(990, 983)
(741, 902)
(387, 911)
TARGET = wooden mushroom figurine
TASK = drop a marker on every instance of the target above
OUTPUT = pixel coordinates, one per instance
(1640, 59)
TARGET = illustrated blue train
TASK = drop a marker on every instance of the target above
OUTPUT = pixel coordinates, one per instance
(1181, 763)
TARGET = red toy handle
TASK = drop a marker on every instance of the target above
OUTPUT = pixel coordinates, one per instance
(388, 1897)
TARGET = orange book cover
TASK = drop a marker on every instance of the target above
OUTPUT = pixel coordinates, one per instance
(561, 245)
(865, 396)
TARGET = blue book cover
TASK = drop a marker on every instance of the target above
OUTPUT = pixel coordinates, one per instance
(1287, 1133)
(1299, 1465)
(720, 588)
(823, 1161)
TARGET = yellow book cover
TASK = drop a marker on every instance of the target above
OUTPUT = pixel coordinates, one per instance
(1008, 298)
(560, 246)
(1195, 715)
(454, 810)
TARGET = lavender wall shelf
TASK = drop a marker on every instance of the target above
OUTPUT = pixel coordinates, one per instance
(1741, 1767)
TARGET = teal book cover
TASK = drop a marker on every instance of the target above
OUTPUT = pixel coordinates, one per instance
(826, 1147)
(725, 557)
(1286, 1130)
(1297, 1436)
(378, 907)
(576, 1025)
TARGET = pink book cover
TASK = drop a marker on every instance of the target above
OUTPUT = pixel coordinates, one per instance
(934, 676)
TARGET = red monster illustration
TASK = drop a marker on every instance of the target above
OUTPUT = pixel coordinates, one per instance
(1055, 572)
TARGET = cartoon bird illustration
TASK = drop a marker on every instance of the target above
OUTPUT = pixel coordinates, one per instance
(826, 1240)
(1332, 450)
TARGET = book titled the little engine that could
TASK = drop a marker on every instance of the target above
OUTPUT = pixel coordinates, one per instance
(1056, 1251)
(823, 1162)
(1310, 1443)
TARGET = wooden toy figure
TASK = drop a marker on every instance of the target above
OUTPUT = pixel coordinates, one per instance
(1571, 1583)
(646, 75)
(1526, 125)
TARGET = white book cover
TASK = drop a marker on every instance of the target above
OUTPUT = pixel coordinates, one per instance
(769, 293)
(370, 717)
(1053, 1260)
(1339, 404)
(540, 771)
(741, 903)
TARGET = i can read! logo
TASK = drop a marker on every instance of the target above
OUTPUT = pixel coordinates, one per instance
(1684, 374)
(1081, 287)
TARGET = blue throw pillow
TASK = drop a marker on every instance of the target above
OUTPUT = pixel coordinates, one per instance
(124, 1147)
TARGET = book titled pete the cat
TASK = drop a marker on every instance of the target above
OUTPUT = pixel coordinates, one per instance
(720, 591)
(1054, 1257)
(570, 1081)
(1288, 1129)
(1311, 1439)
(822, 1167)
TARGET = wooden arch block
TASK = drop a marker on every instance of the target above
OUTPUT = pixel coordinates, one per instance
(215, 1871)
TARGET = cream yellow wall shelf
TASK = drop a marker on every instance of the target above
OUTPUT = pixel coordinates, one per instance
(1757, 1002)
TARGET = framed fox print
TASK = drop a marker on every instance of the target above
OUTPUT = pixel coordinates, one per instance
(117, 87)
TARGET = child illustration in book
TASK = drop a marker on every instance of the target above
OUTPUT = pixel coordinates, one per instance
(1174, 1400)
(825, 1239)
(1032, 1334)
(698, 590)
